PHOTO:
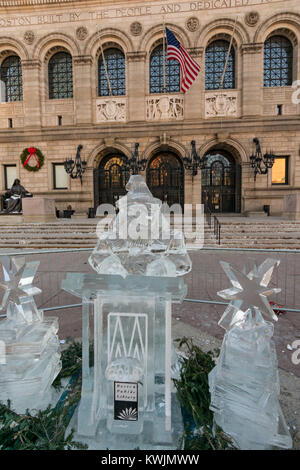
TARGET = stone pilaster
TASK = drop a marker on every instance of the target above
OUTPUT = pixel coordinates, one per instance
(31, 72)
(252, 85)
(135, 86)
(83, 88)
(194, 97)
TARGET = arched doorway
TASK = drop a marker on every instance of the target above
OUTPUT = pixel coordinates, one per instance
(221, 182)
(110, 179)
(165, 178)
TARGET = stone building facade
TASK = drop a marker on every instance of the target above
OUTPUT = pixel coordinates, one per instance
(222, 122)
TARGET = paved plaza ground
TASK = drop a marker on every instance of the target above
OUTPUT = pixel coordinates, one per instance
(194, 319)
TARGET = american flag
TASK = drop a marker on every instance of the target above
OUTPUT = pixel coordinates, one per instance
(188, 67)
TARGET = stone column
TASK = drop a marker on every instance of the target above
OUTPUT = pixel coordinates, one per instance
(136, 86)
(83, 88)
(252, 79)
(31, 72)
(194, 97)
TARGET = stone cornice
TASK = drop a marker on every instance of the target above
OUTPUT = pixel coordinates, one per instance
(138, 56)
(252, 48)
(31, 64)
(83, 60)
(21, 3)
(235, 127)
(196, 51)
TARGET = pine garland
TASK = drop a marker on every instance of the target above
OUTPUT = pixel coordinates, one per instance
(46, 430)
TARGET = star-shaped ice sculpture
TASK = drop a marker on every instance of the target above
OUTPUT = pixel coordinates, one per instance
(19, 289)
(248, 291)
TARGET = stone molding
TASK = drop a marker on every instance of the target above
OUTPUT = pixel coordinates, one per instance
(221, 104)
(111, 109)
(31, 64)
(196, 52)
(252, 48)
(137, 56)
(165, 107)
(83, 60)
(21, 3)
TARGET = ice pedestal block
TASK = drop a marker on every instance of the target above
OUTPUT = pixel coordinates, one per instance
(244, 385)
(31, 351)
(129, 390)
(126, 399)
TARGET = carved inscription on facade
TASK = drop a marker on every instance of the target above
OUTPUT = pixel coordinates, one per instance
(129, 12)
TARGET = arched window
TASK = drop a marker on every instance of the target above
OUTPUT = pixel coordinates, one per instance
(60, 76)
(115, 65)
(278, 62)
(172, 72)
(11, 77)
(215, 59)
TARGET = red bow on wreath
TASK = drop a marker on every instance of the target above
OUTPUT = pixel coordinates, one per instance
(31, 151)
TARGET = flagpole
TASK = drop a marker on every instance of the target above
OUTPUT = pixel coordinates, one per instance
(164, 56)
(105, 69)
(228, 54)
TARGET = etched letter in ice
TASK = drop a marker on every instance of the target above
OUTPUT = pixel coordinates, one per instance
(244, 385)
(140, 239)
(30, 349)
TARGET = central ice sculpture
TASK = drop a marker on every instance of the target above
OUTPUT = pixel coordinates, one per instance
(140, 239)
(127, 399)
(29, 347)
(244, 385)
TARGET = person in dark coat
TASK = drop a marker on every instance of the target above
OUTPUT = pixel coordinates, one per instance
(13, 197)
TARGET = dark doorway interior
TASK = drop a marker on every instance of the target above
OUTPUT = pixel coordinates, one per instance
(221, 183)
(165, 178)
(110, 179)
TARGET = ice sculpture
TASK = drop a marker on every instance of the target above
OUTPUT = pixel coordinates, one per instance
(127, 400)
(244, 385)
(140, 239)
(30, 348)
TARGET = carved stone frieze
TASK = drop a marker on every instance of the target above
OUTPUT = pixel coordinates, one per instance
(165, 107)
(221, 104)
(111, 109)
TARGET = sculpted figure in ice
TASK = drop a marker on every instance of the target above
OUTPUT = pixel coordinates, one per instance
(139, 239)
(31, 353)
(244, 385)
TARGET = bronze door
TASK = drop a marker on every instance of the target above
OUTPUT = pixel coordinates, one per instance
(221, 183)
(165, 178)
(110, 180)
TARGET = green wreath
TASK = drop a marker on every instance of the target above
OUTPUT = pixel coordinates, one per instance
(34, 153)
